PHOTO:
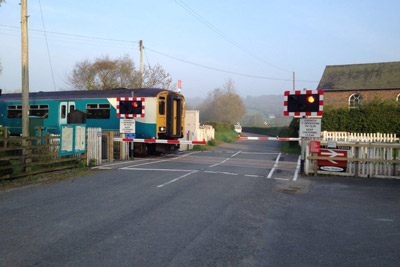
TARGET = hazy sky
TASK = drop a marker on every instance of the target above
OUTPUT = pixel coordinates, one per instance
(268, 39)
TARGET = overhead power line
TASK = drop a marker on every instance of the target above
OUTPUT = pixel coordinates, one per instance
(223, 35)
(74, 35)
(47, 45)
(221, 70)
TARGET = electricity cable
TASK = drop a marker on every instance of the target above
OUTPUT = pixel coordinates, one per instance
(47, 45)
(223, 35)
(221, 70)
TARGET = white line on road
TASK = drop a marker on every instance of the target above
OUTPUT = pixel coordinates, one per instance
(296, 173)
(163, 170)
(252, 175)
(158, 161)
(225, 160)
(275, 166)
(261, 153)
(236, 154)
(210, 172)
(283, 179)
(176, 179)
(118, 163)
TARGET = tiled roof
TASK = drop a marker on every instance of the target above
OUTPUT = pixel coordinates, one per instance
(361, 76)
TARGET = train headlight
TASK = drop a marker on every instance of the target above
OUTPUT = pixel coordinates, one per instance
(162, 129)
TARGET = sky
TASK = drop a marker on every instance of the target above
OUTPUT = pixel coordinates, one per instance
(257, 44)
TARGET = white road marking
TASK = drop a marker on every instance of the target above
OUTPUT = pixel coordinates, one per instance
(210, 172)
(225, 160)
(252, 175)
(261, 153)
(236, 154)
(176, 179)
(118, 163)
(164, 170)
(296, 173)
(275, 166)
(229, 173)
(158, 161)
(283, 179)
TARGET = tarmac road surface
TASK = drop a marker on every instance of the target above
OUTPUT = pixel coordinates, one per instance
(242, 204)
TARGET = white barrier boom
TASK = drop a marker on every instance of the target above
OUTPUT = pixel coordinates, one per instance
(159, 141)
(269, 138)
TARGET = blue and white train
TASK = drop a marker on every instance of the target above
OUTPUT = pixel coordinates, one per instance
(164, 112)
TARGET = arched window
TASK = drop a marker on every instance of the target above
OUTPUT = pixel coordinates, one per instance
(355, 101)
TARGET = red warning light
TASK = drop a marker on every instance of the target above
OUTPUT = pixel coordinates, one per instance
(135, 104)
(310, 99)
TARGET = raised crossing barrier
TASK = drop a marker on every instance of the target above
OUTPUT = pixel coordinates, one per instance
(159, 141)
(269, 138)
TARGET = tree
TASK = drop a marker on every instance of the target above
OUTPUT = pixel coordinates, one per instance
(107, 73)
(223, 104)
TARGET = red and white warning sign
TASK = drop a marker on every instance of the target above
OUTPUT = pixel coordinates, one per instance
(332, 165)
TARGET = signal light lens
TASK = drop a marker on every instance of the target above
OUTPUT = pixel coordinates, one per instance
(135, 104)
(310, 99)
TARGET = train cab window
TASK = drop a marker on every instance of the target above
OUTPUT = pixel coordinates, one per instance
(98, 111)
(161, 105)
(63, 111)
(14, 111)
(72, 108)
(39, 111)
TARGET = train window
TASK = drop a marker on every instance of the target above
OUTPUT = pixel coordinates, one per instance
(98, 111)
(71, 108)
(63, 111)
(161, 107)
(14, 111)
(39, 111)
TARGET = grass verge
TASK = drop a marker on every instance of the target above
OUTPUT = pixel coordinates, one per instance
(294, 148)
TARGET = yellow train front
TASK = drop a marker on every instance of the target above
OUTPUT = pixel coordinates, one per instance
(163, 118)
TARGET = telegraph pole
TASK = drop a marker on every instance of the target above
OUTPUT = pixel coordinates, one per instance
(141, 62)
(294, 80)
(25, 69)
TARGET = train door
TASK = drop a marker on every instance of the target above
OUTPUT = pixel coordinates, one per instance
(174, 115)
(65, 108)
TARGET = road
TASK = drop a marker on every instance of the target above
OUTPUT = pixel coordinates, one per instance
(242, 204)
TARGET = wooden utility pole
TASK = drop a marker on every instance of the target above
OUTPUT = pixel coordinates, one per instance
(141, 63)
(25, 69)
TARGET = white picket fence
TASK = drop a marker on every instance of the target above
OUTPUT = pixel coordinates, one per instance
(94, 145)
(359, 137)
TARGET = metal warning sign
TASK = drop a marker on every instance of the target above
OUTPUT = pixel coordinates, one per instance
(332, 165)
(310, 127)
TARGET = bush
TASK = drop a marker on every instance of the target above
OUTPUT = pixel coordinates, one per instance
(373, 117)
(218, 125)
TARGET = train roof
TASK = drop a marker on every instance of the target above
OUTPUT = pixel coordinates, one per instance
(106, 93)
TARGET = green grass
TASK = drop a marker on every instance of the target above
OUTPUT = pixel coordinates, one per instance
(222, 135)
(293, 148)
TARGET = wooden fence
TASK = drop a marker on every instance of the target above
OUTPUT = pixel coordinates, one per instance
(377, 160)
(359, 137)
(21, 156)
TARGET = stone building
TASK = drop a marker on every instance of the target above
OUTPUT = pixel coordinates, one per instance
(352, 85)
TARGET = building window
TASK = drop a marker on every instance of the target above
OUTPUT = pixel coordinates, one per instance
(355, 101)
(39, 111)
(98, 111)
(14, 111)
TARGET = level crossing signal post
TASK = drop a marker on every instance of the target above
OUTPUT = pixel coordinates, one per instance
(305, 104)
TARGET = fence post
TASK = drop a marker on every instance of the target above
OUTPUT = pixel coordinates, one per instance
(356, 163)
(110, 141)
(5, 135)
